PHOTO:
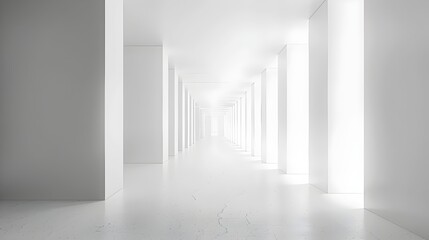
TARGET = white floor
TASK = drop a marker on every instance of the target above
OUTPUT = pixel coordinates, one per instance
(211, 191)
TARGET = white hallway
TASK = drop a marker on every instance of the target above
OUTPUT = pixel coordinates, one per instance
(213, 190)
(112, 114)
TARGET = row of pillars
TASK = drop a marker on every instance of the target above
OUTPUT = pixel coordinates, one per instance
(257, 120)
(163, 117)
(73, 113)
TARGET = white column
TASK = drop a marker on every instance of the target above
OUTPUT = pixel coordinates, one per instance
(269, 145)
(173, 140)
(235, 123)
(230, 123)
(192, 121)
(146, 104)
(208, 125)
(197, 123)
(258, 116)
(283, 110)
(238, 112)
(114, 91)
(186, 132)
(293, 109)
(189, 116)
(181, 117)
(263, 117)
(336, 97)
(203, 124)
(243, 121)
(252, 120)
(61, 87)
(248, 115)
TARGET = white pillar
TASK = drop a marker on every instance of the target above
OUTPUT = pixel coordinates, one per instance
(189, 116)
(293, 109)
(269, 128)
(238, 112)
(203, 124)
(146, 104)
(197, 122)
(248, 115)
(181, 117)
(208, 125)
(173, 140)
(186, 132)
(235, 124)
(243, 121)
(252, 120)
(336, 97)
(61, 85)
(258, 116)
(263, 117)
(231, 124)
(193, 120)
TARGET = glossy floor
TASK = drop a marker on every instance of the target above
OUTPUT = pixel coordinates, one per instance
(210, 191)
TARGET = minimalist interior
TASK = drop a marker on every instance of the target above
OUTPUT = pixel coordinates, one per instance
(201, 119)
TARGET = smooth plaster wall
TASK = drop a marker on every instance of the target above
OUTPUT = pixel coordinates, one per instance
(60, 64)
(396, 112)
(145, 104)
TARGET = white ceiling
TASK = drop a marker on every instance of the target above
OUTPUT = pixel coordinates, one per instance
(219, 42)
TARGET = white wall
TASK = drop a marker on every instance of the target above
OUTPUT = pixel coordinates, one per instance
(173, 111)
(293, 108)
(60, 94)
(145, 104)
(396, 112)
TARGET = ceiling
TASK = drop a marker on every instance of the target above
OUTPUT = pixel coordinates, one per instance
(218, 46)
